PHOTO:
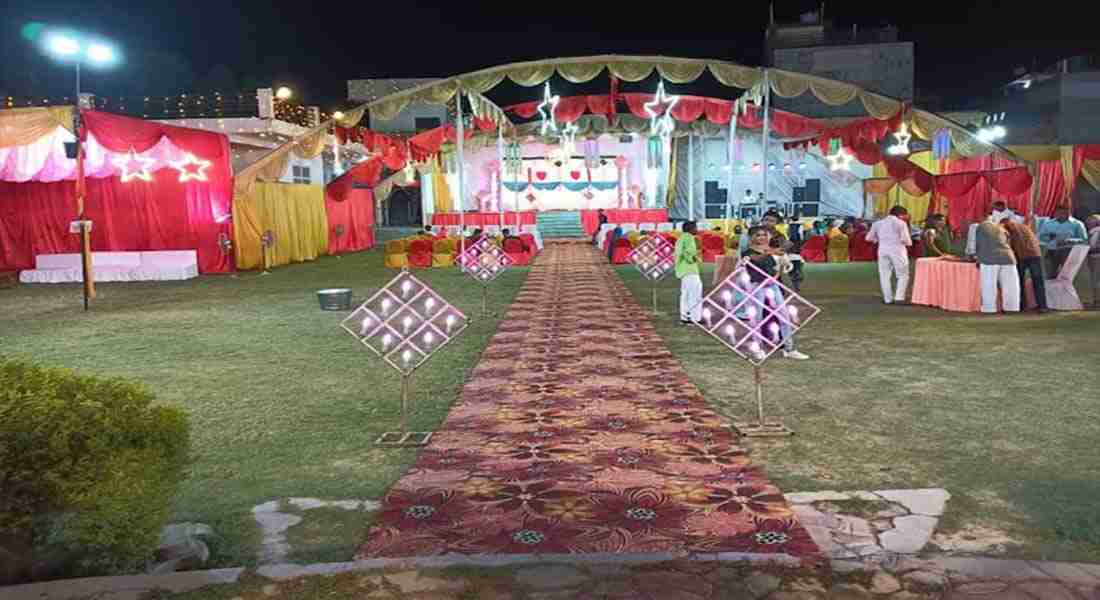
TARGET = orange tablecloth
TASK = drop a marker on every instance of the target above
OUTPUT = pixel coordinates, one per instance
(955, 286)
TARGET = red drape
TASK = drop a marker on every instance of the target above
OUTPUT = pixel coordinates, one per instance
(971, 183)
(1052, 187)
(352, 210)
(590, 219)
(162, 214)
(481, 219)
(119, 134)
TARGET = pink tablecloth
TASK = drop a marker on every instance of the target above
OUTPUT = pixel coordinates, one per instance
(480, 219)
(953, 285)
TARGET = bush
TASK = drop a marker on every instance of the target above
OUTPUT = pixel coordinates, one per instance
(88, 470)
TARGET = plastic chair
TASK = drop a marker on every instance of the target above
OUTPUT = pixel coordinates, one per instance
(634, 237)
(647, 227)
(443, 252)
(517, 250)
(492, 229)
(420, 254)
(713, 247)
(838, 249)
(621, 253)
(627, 227)
(454, 230)
(395, 256)
(662, 227)
(1061, 294)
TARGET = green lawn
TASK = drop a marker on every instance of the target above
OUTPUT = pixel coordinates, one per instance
(282, 402)
(1002, 411)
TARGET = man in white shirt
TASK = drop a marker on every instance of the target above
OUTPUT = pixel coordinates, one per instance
(893, 239)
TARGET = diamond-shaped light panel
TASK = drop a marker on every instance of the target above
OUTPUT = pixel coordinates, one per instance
(483, 260)
(753, 313)
(654, 257)
(405, 322)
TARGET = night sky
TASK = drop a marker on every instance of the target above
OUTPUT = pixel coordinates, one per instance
(964, 49)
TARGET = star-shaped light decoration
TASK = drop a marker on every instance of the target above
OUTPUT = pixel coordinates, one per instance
(546, 111)
(842, 160)
(191, 168)
(903, 137)
(134, 166)
(661, 124)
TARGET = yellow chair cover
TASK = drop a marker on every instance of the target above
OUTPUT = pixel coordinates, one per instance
(634, 237)
(396, 256)
(837, 249)
(443, 253)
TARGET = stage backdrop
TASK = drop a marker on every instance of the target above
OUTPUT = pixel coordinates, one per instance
(542, 184)
(38, 193)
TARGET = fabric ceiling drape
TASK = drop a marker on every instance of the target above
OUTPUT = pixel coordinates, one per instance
(23, 126)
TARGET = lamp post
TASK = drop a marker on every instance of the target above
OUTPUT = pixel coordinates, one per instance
(66, 46)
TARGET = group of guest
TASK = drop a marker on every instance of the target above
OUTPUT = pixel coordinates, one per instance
(1008, 252)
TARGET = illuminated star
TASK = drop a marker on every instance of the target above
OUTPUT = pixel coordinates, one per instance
(191, 168)
(839, 161)
(134, 166)
(902, 136)
(661, 123)
(546, 110)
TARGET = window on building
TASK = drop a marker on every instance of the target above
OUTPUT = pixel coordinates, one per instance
(423, 123)
(300, 174)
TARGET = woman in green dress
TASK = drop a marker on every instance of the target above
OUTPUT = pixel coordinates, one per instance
(937, 236)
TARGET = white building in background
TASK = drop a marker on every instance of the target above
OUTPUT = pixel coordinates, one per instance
(873, 59)
(416, 117)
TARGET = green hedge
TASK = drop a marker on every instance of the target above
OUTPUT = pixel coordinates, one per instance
(88, 470)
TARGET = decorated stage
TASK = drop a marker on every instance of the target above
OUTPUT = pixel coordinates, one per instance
(589, 218)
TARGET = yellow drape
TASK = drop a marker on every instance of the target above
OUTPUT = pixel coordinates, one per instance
(23, 126)
(897, 195)
(581, 72)
(294, 213)
(441, 189)
(670, 193)
(1091, 172)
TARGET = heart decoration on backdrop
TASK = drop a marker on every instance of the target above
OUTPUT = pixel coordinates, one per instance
(575, 174)
(541, 175)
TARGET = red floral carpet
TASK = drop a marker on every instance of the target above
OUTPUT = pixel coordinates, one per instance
(579, 432)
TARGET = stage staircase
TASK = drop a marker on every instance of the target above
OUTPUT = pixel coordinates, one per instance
(560, 224)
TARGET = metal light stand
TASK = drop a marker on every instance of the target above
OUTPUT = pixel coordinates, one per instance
(484, 261)
(267, 240)
(654, 258)
(339, 232)
(405, 323)
(749, 318)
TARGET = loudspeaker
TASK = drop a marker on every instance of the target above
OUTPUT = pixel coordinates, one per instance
(813, 190)
(798, 195)
(70, 149)
(807, 209)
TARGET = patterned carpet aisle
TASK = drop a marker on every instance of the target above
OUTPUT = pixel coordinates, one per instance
(579, 432)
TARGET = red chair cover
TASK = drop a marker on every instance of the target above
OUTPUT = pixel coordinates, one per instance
(713, 247)
(420, 254)
(517, 251)
(621, 255)
(859, 249)
(814, 249)
(607, 237)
